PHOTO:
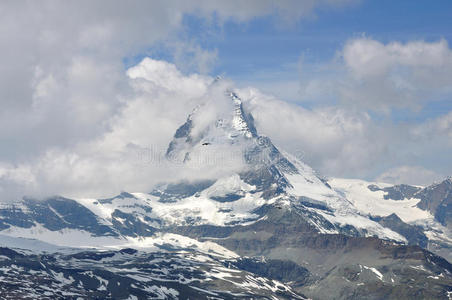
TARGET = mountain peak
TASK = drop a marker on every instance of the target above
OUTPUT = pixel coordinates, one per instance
(242, 121)
(223, 128)
(265, 178)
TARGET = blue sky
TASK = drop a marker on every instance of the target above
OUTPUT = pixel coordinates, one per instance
(265, 43)
(267, 48)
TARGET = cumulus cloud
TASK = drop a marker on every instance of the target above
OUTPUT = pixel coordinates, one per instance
(345, 142)
(396, 75)
(334, 140)
(61, 63)
(370, 75)
(131, 154)
(63, 82)
(381, 81)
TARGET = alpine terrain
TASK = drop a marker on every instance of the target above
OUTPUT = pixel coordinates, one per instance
(258, 224)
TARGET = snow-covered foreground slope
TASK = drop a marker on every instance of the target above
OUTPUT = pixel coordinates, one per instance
(131, 274)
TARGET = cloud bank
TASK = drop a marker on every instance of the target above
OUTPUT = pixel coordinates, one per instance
(130, 154)
(75, 121)
(62, 64)
(64, 88)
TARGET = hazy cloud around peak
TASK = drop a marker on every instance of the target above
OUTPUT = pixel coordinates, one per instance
(129, 155)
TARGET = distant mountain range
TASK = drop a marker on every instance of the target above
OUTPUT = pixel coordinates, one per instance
(273, 229)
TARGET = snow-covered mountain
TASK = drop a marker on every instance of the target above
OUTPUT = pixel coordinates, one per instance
(253, 209)
(421, 214)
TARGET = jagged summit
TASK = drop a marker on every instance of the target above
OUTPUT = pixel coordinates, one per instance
(242, 121)
(227, 128)
(235, 134)
(230, 128)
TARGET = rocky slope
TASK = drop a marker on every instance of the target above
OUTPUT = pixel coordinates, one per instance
(130, 274)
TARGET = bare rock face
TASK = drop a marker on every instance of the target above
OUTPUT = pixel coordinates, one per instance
(437, 199)
(396, 192)
(413, 233)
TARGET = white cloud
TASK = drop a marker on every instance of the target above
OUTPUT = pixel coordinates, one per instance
(165, 75)
(61, 70)
(369, 58)
(370, 75)
(414, 175)
(396, 75)
(439, 128)
(335, 141)
(343, 142)
(63, 82)
(130, 155)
